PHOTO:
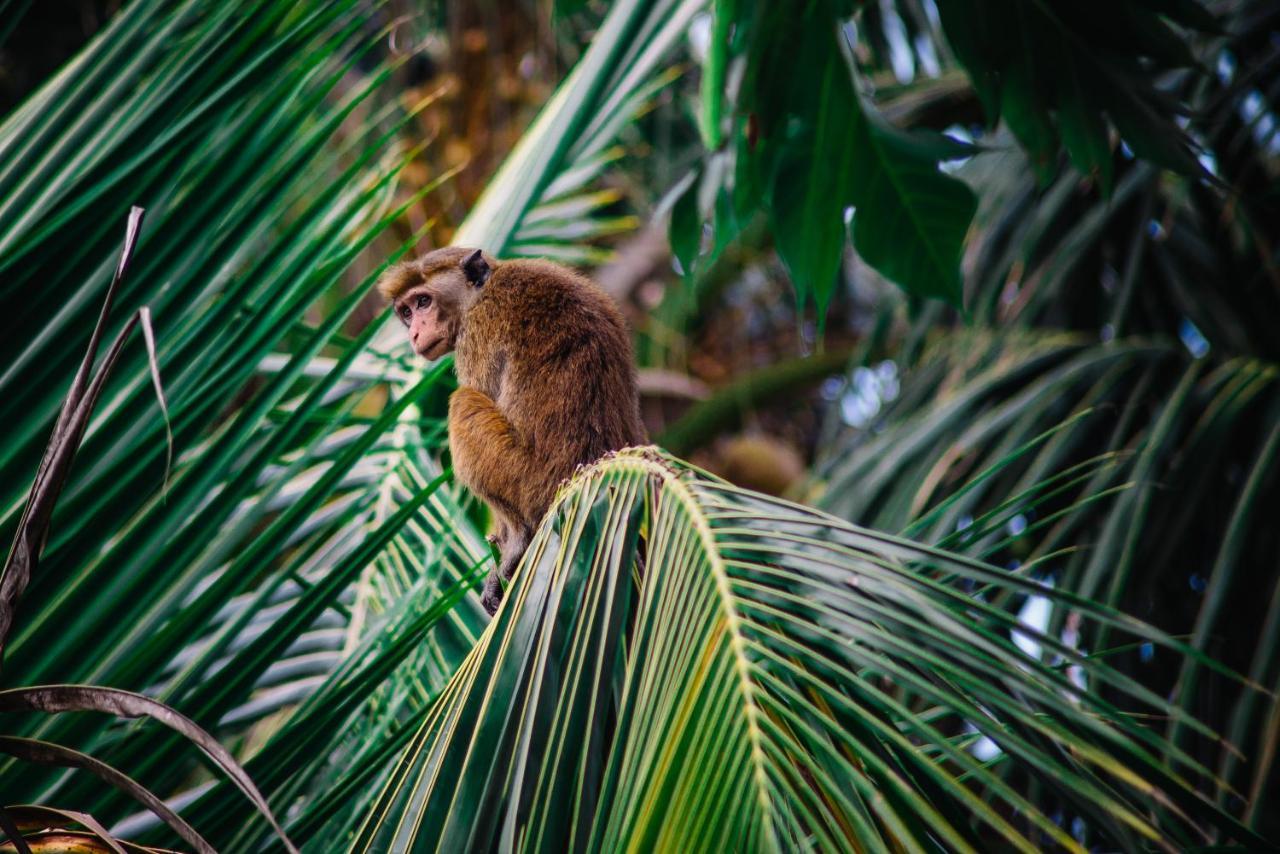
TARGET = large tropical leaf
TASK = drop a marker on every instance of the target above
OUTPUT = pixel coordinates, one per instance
(1161, 466)
(681, 663)
(230, 593)
(394, 631)
(812, 152)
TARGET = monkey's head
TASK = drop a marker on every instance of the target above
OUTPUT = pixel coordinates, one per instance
(431, 295)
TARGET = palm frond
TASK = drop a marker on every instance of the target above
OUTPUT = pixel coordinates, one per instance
(352, 515)
(262, 187)
(1142, 489)
(684, 663)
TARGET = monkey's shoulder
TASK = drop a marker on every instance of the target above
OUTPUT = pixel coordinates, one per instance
(534, 278)
(546, 295)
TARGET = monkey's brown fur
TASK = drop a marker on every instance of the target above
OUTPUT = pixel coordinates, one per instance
(547, 381)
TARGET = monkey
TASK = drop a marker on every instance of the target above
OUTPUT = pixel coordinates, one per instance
(546, 379)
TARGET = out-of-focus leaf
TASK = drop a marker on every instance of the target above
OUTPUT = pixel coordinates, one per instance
(829, 162)
(565, 8)
(1021, 448)
(711, 99)
(44, 753)
(974, 30)
(1084, 131)
(1032, 63)
(913, 218)
(685, 229)
(126, 704)
(1022, 92)
(810, 194)
(908, 220)
(1189, 12)
(73, 420)
(1147, 133)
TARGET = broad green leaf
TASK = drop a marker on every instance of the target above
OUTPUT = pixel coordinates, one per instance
(908, 219)
(973, 28)
(1022, 90)
(1084, 131)
(685, 229)
(829, 161)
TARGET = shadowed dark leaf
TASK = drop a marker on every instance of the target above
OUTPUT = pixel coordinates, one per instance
(126, 704)
(73, 419)
(29, 817)
(44, 753)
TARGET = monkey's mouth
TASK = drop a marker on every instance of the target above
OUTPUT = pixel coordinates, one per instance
(435, 349)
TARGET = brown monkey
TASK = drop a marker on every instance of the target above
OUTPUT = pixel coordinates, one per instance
(547, 381)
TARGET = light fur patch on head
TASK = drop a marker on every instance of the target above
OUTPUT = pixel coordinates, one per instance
(397, 279)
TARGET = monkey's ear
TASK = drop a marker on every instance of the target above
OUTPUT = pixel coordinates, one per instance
(476, 269)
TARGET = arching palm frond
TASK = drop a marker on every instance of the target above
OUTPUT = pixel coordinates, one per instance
(681, 663)
(1146, 490)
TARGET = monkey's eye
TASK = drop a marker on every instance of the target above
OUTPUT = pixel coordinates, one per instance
(423, 300)
(405, 312)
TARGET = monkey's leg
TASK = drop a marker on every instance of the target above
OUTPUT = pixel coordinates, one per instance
(492, 459)
(507, 541)
(512, 549)
(491, 596)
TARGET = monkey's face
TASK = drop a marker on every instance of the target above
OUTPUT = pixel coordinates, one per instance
(431, 296)
(432, 314)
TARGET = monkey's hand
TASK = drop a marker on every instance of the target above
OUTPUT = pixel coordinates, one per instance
(489, 455)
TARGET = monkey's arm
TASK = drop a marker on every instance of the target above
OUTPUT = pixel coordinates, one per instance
(489, 454)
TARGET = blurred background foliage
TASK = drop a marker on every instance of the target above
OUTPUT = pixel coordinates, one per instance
(870, 251)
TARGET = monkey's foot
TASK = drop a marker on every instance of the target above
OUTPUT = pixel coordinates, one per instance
(491, 597)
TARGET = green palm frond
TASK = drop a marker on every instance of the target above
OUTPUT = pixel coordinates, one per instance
(1144, 487)
(230, 592)
(681, 663)
(684, 664)
(336, 761)
(1137, 327)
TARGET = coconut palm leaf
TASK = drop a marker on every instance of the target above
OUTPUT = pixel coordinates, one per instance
(1168, 373)
(362, 534)
(1167, 463)
(223, 117)
(680, 662)
(23, 561)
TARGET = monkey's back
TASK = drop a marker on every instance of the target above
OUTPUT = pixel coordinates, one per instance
(553, 352)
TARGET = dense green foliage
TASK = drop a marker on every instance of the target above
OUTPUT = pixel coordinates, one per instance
(680, 662)
(770, 678)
